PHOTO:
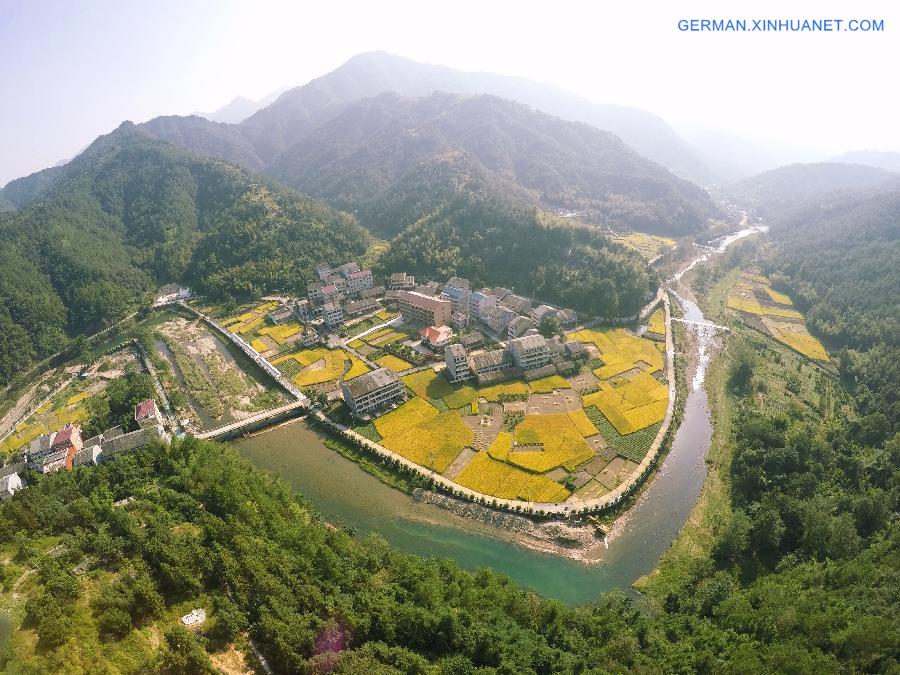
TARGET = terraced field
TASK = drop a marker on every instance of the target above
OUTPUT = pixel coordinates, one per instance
(772, 312)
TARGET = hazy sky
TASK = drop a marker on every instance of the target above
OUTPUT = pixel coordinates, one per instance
(70, 71)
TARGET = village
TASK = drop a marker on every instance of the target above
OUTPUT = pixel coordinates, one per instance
(501, 396)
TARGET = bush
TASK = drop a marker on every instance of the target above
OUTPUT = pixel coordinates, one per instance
(114, 624)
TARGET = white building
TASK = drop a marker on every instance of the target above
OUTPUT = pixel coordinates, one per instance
(529, 352)
(333, 314)
(9, 485)
(359, 281)
(481, 303)
(372, 391)
(457, 363)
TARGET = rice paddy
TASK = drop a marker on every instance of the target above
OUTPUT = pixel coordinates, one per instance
(488, 476)
(495, 391)
(648, 245)
(320, 365)
(433, 442)
(547, 384)
(282, 332)
(392, 362)
(772, 312)
(249, 320)
(434, 387)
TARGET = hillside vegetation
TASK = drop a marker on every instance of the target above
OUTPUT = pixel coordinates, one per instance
(378, 145)
(493, 242)
(131, 213)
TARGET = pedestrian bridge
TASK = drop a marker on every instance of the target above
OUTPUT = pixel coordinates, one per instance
(259, 420)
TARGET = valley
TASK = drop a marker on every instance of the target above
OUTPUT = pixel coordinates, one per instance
(409, 369)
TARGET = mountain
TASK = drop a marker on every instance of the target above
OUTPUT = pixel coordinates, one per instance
(494, 242)
(782, 191)
(297, 112)
(240, 108)
(728, 156)
(132, 212)
(380, 147)
(889, 161)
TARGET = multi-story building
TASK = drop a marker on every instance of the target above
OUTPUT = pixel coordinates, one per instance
(303, 310)
(567, 318)
(401, 281)
(347, 269)
(284, 312)
(498, 318)
(542, 312)
(372, 391)
(336, 280)
(460, 320)
(323, 270)
(459, 297)
(332, 314)
(314, 292)
(459, 282)
(358, 307)
(518, 326)
(147, 414)
(9, 484)
(481, 303)
(457, 363)
(359, 281)
(424, 308)
(517, 303)
(529, 352)
(52, 452)
(485, 363)
(331, 293)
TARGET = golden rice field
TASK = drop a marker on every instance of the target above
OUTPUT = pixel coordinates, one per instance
(357, 367)
(745, 297)
(620, 351)
(78, 398)
(795, 336)
(434, 387)
(434, 442)
(501, 446)
(388, 338)
(648, 245)
(316, 365)
(631, 405)
(250, 319)
(385, 315)
(657, 322)
(259, 345)
(495, 391)
(281, 333)
(780, 298)
(429, 384)
(355, 344)
(498, 479)
(562, 437)
(413, 412)
(545, 385)
(392, 362)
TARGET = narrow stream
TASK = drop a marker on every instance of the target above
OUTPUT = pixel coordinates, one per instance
(343, 492)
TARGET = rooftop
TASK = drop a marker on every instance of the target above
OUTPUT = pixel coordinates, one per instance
(145, 409)
(488, 359)
(534, 341)
(369, 382)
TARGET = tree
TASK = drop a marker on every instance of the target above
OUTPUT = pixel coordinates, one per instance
(114, 624)
(740, 372)
(549, 327)
(183, 654)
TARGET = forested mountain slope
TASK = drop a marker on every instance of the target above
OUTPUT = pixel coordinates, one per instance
(841, 262)
(377, 145)
(132, 212)
(494, 242)
(778, 193)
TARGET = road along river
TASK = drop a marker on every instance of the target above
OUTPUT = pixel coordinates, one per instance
(342, 492)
